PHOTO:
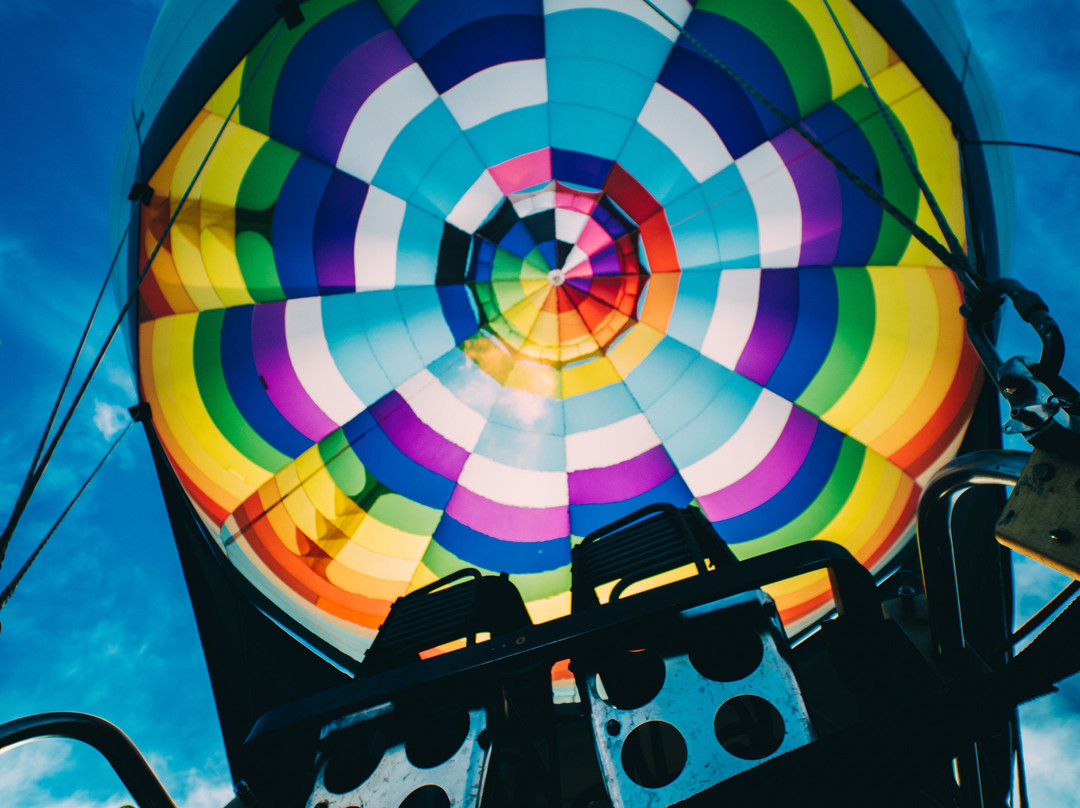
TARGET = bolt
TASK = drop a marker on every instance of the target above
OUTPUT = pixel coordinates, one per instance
(519, 641)
(1043, 472)
(906, 591)
(1060, 534)
(613, 727)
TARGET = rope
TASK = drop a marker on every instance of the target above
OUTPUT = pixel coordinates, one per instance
(943, 223)
(1044, 147)
(918, 233)
(27, 487)
(9, 590)
(37, 470)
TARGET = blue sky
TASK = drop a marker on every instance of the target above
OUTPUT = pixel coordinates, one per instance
(103, 623)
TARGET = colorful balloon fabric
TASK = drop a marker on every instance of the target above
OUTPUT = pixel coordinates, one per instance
(463, 281)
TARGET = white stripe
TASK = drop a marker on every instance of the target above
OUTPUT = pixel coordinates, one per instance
(313, 364)
(498, 89)
(733, 317)
(524, 488)
(744, 450)
(611, 444)
(534, 202)
(575, 257)
(678, 10)
(685, 131)
(439, 408)
(376, 244)
(381, 118)
(569, 224)
(476, 204)
(776, 203)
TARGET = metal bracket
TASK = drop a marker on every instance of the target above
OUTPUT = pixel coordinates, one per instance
(1042, 516)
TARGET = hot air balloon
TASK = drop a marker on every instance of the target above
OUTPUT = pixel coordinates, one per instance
(432, 286)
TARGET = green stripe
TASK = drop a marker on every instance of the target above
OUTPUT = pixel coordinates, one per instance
(259, 191)
(395, 10)
(856, 319)
(792, 41)
(210, 378)
(897, 183)
(345, 468)
(259, 96)
(821, 511)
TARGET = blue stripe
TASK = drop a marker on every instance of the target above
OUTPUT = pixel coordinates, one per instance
(432, 20)
(513, 446)
(598, 408)
(350, 349)
(717, 422)
(587, 518)
(714, 94)
(310, 63)
(426, 321)
(482, 44)
(815, 329)
(752, 59)
(795, 497)
(294, 226)
(393, 468)
(246, 387)
(458, 311)
(862, 217)
(659, 370)
(384, 327)
(479, 549)
(688, 397)
(335, 233)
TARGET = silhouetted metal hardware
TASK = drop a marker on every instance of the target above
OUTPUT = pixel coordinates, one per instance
(1042, 517)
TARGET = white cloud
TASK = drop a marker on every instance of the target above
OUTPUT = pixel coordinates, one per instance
(120, 376)
(34, 776)
(109, 418)
(1051, 736)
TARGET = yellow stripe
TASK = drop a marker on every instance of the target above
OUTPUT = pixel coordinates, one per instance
(920, 349)
(868, 43)
(182, 408)
(589, 376)
(936, 154)
(225, 96)
(235, 464)
(884, 357)
(224, 174)
(186, 236)
(635, 345)
(945, 361)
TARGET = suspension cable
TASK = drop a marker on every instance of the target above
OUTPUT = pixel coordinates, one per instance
(24, 492)
(9, 590)
(1022, 145)
(943, 223)
(36, 471)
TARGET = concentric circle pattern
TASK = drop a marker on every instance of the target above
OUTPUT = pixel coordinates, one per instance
(463, 281)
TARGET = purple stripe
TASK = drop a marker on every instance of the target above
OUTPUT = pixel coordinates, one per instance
(508, 522)
(771, 474)
(778, 306)
(276, 368)
(335, 232)
(624, 480)
(348, 87)
(416, 439)
(819, 197)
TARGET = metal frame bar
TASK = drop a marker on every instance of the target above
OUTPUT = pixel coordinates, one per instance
(108, 739)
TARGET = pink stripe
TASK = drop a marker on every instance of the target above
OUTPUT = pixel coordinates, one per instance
(770, 476)
(276, 368)
(524, 171)
(508, 522)
(593, 238)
